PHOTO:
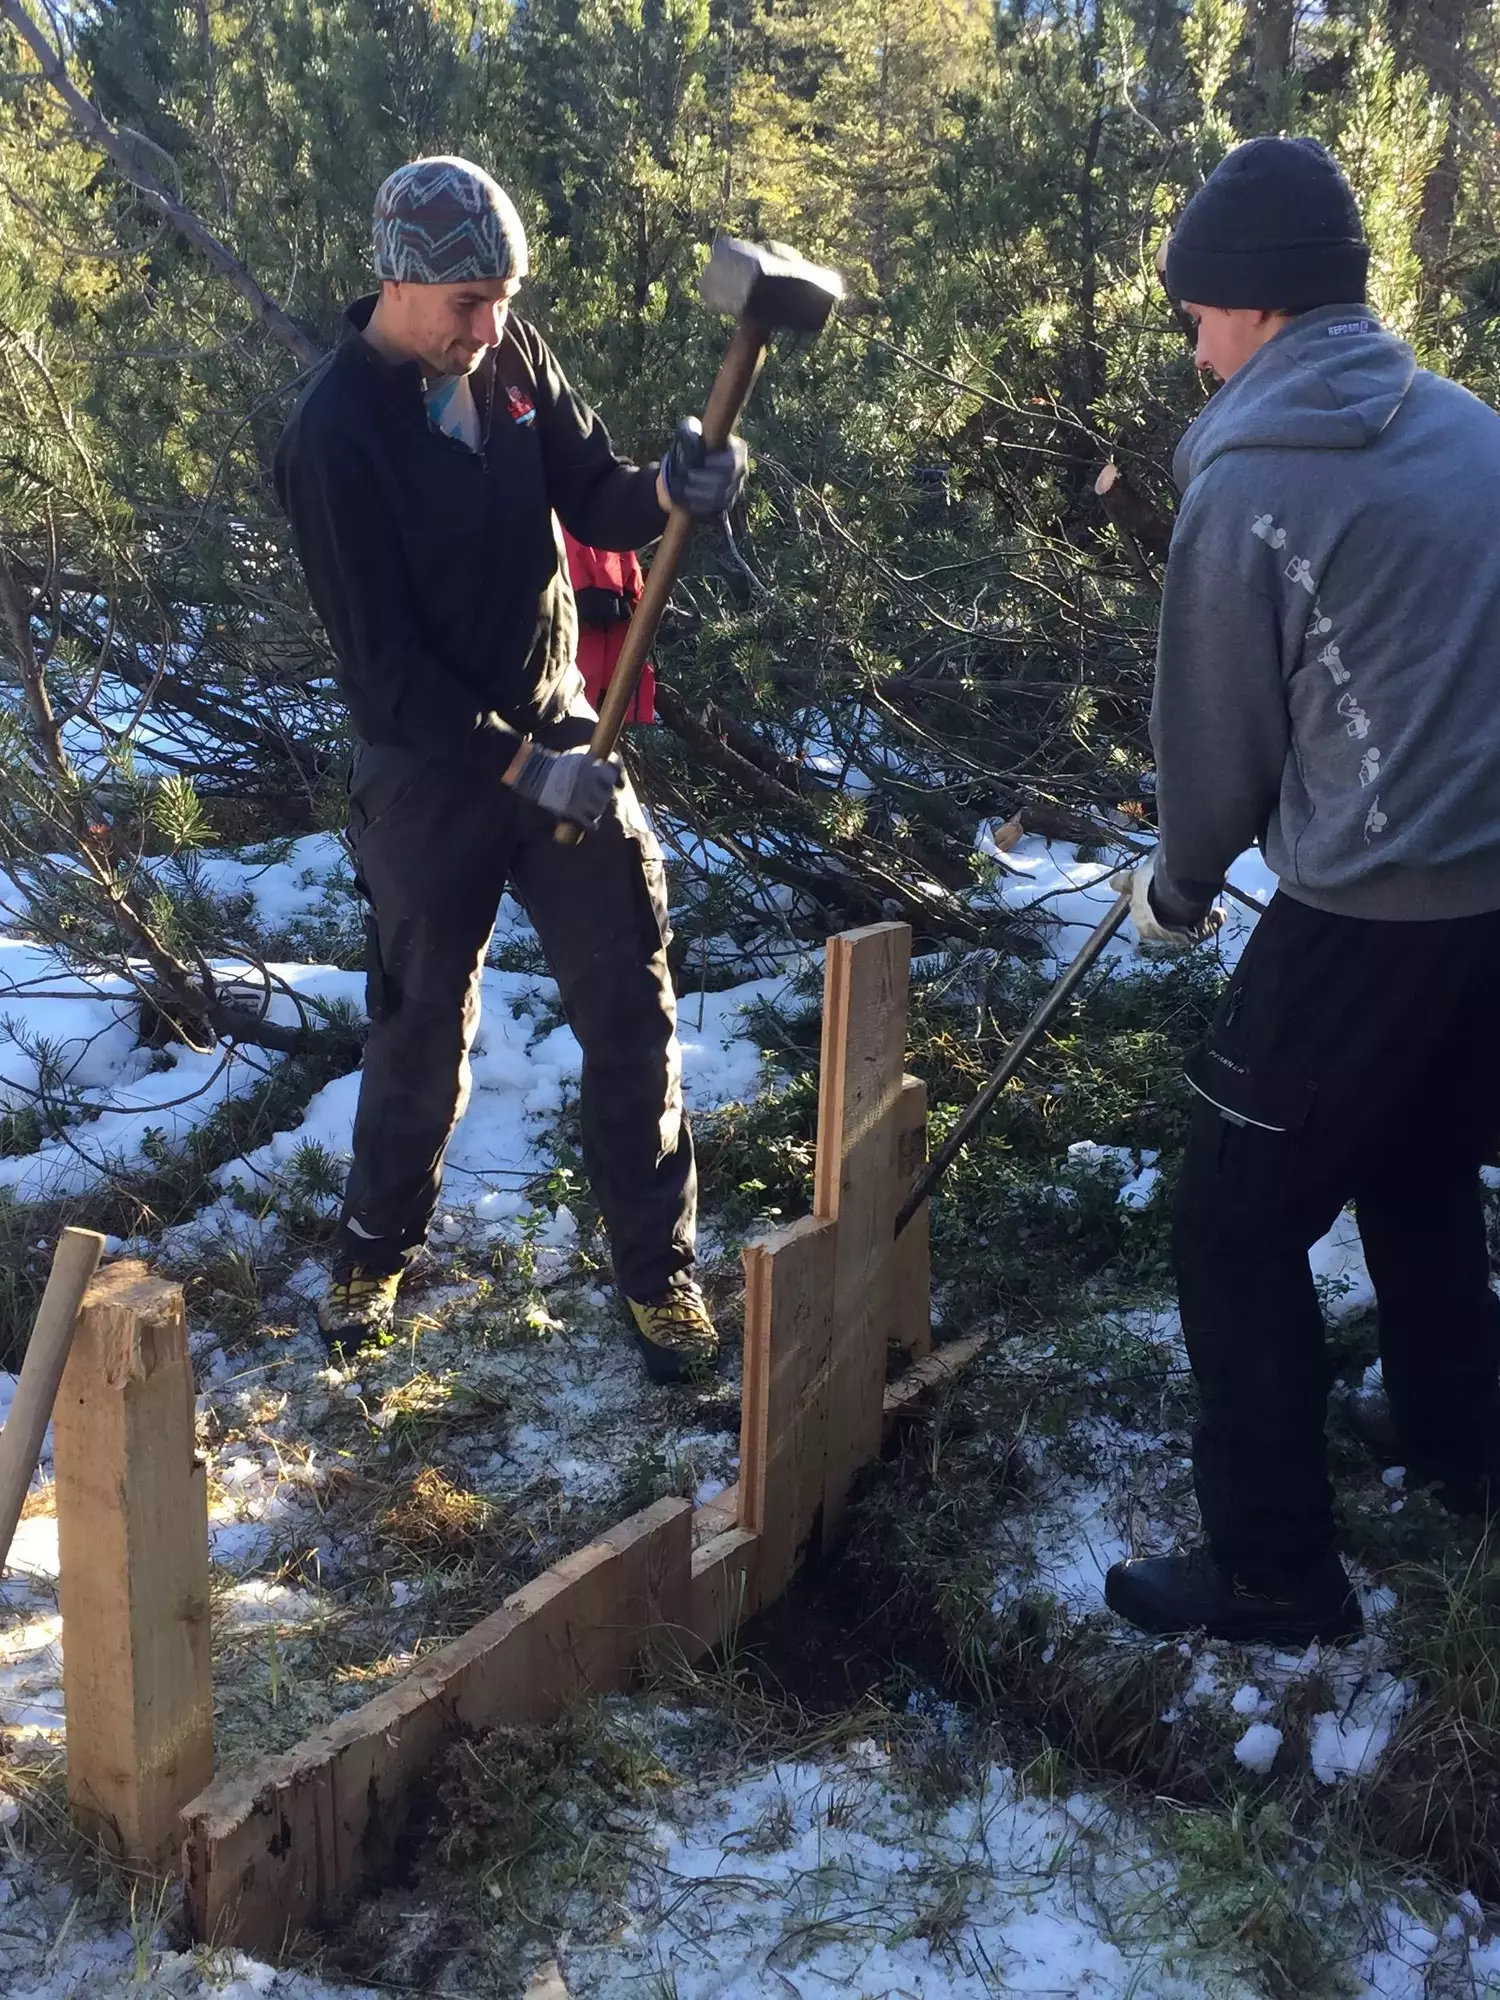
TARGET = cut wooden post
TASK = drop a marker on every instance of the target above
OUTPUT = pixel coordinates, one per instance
(290, 1840)
(132, 1534)
(784, 1425)
(864, 1046)
(911, 1272)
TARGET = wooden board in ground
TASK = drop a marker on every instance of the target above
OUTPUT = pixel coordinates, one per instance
(724, 1589)
(132, 1532)
(864, 1046)
(289, 1841)
(789, 1279)
(910, 1269)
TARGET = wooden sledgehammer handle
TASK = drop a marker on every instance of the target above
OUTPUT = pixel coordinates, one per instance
(730, 393)
(73, 1266)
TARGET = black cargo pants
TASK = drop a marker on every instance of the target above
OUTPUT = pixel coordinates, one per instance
(434, 850)
(1350, 1060)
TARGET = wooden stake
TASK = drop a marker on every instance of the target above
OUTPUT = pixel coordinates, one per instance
(132, 1530)
(864, 1046)
(784, 1419)
(273, 1848)
(911, 1273)
(73, 1265)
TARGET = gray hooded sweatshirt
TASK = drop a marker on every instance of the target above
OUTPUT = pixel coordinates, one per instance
(1328, 671)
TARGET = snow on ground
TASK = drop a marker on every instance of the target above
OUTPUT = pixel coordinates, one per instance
(827, 1879)
(1046, 877)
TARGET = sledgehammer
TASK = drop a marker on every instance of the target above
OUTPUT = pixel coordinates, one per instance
(763, 287)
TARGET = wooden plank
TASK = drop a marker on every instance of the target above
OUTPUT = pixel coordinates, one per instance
(132, 1531)
(789, 1279)
(724, 1589)
(864, 1045)
(911, 1268)
(938, 1367)
(715, 1515)
(271, 1849)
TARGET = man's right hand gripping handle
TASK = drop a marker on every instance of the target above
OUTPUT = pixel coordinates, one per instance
(571, 785)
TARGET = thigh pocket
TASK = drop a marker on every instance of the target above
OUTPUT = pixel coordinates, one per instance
(384, 777)
(1247, 1090)
(651, 874)
(380, 988)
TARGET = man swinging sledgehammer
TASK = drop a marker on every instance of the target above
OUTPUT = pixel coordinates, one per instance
(1328, 684)
(421, 471)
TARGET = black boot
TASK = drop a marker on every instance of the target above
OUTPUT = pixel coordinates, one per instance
(1460, 1489)
(1191, 1593)
(1367, 1416)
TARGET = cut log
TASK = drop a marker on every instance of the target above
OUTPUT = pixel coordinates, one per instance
(132, 1533)
(270, 1850)
(864, 1048)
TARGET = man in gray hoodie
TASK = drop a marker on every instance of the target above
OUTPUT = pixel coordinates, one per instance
(1328, 684)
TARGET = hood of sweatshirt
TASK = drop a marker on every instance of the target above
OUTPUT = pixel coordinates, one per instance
(1330, 381)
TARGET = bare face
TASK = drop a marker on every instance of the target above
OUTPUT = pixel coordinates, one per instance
(447, 327)
(1229, 335)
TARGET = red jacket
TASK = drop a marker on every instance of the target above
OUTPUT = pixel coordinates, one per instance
(607, 587)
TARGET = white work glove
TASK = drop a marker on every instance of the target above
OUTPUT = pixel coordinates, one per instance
(569, 784)
(1135, 882)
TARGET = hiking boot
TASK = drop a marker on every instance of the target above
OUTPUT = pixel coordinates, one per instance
(676, 1337)
(1192, 1593)
(357, 1308)
(1368, 1418)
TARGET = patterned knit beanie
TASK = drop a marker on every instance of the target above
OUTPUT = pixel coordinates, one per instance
(445, 222)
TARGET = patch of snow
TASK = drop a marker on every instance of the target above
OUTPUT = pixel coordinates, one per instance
(1048, 879)
(1257, 1748)
(1340, 1272)
(1138, 1191)
(1072, 1540)
(815, 1879)
(1350, 1743)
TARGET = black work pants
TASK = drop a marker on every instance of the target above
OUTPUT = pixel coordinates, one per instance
(1350, 1061)
(435, 849)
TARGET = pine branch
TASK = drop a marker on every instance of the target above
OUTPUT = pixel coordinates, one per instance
(98, 130)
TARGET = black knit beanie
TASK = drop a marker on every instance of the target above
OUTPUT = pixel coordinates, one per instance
(1275, 226)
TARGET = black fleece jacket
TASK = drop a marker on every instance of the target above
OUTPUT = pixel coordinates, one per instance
(437, 570)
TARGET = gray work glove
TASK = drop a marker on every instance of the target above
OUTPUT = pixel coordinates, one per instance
(1150, 927)
(570, 784)
(707, 483)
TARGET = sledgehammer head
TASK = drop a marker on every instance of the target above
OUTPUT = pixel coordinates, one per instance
(770, 284)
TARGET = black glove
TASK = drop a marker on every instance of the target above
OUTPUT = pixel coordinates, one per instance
(707, 483)
(569, 784)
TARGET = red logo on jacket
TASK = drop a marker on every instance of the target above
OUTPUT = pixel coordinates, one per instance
(519, 404)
